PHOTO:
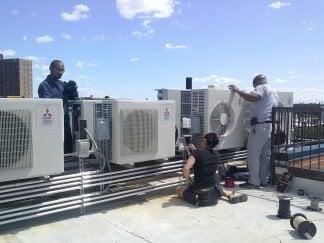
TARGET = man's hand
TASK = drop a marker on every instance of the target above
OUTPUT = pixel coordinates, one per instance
(233, 88)
(191, 147)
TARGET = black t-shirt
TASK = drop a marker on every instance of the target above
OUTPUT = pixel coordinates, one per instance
(206, 164)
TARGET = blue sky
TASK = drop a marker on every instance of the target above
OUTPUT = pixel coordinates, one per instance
(128, 48)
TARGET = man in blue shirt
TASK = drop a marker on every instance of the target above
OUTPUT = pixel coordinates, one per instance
(53, 87)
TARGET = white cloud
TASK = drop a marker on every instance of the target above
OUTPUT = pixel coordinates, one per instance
(146, 9)
(44, 39)
(7, 53)
(24, 37)
(146, 23)
(219, 80)
(35, 58)
(100, 37)
(279, 4)
(308, 25)
(148, 33)
(79, 12)
(181, 26)
(82, 77)
(82, 64)
(134, 59)
(171, 46)
(15, 11)
(307, 22)
(293, 75)
(140, 35)
(43, 68)
(308, 94)
(280, 80)
(66, 36)
(87, 91)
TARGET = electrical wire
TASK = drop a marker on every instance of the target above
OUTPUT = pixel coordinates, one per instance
(97, 153)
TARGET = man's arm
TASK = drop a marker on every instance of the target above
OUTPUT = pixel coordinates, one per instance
(189, 164)
(251, 97)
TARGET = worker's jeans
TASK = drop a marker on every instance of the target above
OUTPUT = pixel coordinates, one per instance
(258, 147)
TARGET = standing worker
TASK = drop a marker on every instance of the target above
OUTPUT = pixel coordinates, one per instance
(53, 87)
(259, 141)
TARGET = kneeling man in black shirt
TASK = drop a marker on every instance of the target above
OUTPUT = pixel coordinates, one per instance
(205, 190)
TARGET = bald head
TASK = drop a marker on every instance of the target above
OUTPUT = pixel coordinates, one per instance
(259, 79)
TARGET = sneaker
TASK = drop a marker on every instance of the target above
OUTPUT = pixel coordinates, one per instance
(236, 198)
(249, 185)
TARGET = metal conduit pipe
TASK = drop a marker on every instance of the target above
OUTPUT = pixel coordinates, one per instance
(39, 215)
(130, 174)
(74, 200)
(61, 177)
(123, 194)
(41, 204)
(50, 186)
(39, 194)
(78, 187)
(127, 195)
(54, 178)
(128, 179)
(41, 209)
(50, 183)
(47, 188)
(87, 175)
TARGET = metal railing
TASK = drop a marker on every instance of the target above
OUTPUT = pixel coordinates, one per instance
(298, 140)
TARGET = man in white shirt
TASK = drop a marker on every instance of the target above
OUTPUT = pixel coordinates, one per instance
(259, 142)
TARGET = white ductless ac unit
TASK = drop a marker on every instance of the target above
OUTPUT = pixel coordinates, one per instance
(183, 109)
(223, 112)
(31, 138)
(128, 131)
(142, 130)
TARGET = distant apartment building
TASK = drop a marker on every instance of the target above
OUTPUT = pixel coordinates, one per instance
(16, 77)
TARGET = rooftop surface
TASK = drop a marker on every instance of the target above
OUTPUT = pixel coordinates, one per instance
(162, 217)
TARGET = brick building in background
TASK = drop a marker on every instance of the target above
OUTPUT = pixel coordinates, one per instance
(16, 77)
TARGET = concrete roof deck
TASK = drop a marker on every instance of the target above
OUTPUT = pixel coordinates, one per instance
(162, 217)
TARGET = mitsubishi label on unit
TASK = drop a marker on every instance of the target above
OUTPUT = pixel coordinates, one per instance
(183, 116)
(31, 138)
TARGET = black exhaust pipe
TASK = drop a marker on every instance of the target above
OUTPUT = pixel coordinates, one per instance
(188, 83)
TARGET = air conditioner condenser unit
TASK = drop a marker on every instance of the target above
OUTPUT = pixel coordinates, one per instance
(31, 138)
(142, 130)
(127, 131)
(223, 112)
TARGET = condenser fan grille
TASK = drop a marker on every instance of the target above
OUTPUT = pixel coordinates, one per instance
(222, 119)
(139, 130)
(15, 139)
